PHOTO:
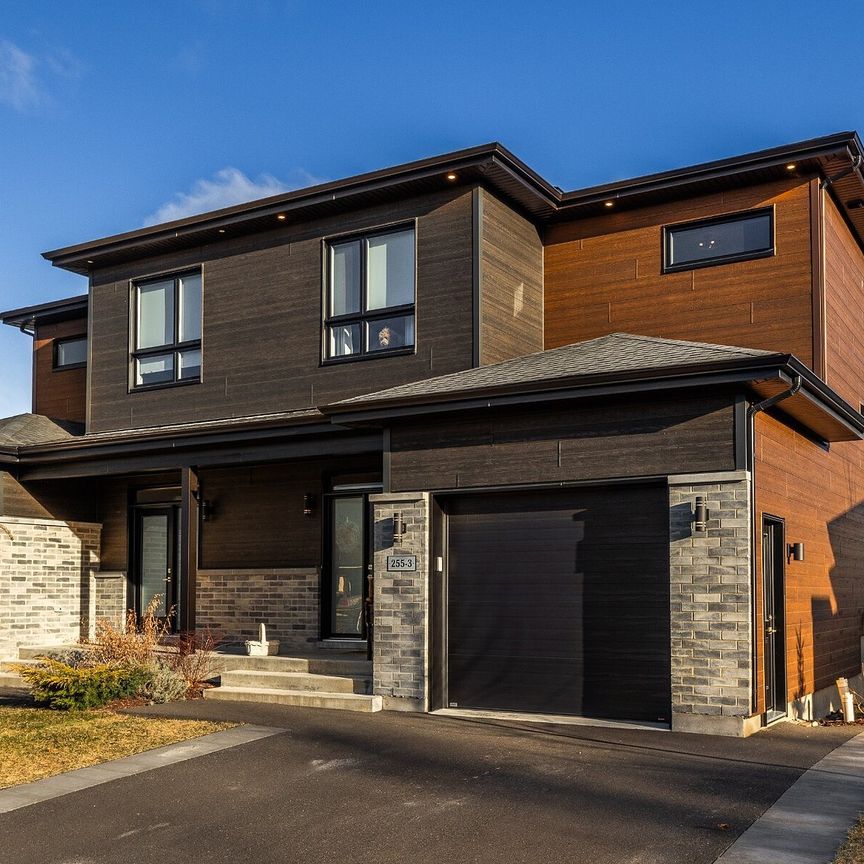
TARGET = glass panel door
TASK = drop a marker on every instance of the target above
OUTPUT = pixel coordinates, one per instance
(156, 571)
(345, 585)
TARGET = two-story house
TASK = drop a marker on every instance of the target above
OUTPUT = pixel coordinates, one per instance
(593, 453)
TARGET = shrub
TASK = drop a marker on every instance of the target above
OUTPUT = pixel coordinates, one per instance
(75, 657)
(163, 684)
(192, 660)
(134, 644)
(59, 685)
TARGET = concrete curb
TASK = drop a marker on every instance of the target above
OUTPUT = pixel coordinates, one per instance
(83, 778)
(811, 819)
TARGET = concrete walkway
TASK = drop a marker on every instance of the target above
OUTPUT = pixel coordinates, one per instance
(84, 778)
(811, 819)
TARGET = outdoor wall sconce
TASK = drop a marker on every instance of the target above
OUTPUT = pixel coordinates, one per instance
(308, 505)
(795, 551)
(205, 508)
(398, 524)
(700, 515)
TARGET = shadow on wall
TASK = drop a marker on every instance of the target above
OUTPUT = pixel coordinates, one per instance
(836, 633)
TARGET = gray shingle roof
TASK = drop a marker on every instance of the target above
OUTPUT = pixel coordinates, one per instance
(23, 429)
(616, 353)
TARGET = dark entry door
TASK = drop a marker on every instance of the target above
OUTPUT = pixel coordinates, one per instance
(156, 573)
(345, 579)
(558, 602)
(774, 615)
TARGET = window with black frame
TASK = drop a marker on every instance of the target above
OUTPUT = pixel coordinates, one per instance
(370, 295)
(720, 240)
(70, 353)
(166, 342)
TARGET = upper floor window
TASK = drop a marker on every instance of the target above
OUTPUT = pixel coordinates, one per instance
(370, 295)
(70, 353)
(166, 343)
(718, 241)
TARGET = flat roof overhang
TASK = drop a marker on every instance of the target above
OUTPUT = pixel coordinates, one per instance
(815, 406)
(835, 156)
(27, 317)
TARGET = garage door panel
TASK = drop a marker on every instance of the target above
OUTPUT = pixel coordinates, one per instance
(559, 602)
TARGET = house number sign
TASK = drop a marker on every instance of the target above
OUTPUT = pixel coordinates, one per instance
(399, 563)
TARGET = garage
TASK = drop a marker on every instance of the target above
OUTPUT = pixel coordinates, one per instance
(558, 602)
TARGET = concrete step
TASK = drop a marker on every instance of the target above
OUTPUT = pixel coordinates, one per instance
(34, 651)
(8, 666)
(295, 681)
(13, 681)
(299, 698)
(314, 665)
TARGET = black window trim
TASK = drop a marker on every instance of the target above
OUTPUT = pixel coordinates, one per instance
(64, 367)
(174, 348)
(719, 259)
(362, 317)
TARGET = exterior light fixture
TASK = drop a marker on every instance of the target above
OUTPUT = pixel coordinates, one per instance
(700, 515)
(308, 505)
(791, 166)
(795, 551)
(281, 217)
(221, 230)
(609, 203)
(398, 524)
(855, 204)
(451, 177)
(205, 508)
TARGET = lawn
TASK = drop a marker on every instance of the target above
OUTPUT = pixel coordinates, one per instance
(852, 851)
(37, 742)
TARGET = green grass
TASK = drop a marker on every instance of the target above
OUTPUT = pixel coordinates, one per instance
(37, 742)
(852, 851)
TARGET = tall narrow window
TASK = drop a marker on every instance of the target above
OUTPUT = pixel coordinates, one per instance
(370, 295)
(166, 346)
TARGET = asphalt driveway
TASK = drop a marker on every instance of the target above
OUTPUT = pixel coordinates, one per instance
(346, 787)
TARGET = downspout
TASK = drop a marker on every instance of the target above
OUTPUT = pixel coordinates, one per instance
(855, 166)
(752, 411)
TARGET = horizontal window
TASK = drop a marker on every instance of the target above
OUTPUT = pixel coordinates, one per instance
(370, 295)
(718, 241)
(166, 344)
(70, 352)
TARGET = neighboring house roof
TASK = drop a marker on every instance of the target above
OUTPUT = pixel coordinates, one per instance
(837, 157)
(25, 429)
(621, 364)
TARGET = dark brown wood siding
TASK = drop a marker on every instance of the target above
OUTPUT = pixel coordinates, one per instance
(511, 283)
(585, 442)
(262, 320)
(820, 495)
(60, 394)
(604, 275)
(74, 500)
(844, 307)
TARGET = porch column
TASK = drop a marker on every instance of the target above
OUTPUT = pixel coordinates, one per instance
(400, 635)
(188, 545)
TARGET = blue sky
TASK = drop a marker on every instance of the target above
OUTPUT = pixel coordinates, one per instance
(114, 115)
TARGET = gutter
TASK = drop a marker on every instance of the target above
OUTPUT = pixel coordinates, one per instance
(752, 410)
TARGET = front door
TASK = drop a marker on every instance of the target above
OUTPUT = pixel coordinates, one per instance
(156, 574)
(773, 616)
(348, 556)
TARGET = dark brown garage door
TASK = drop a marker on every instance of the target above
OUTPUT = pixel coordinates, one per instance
(558, 602)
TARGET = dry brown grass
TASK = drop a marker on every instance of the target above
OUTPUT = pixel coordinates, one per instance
(852, 851)
(37, 743)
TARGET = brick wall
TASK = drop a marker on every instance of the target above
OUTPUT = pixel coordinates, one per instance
(400, 639)
(109, 600)
(47, 571)
(711, 601)
(233, 602)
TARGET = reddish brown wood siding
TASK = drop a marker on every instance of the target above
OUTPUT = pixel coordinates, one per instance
(60, 394)
(262, 320)
(821, 497)
(511, 283)
(604, 275)
(844, 307)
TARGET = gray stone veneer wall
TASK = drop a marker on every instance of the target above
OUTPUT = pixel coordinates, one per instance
(232, 603)
(109, 597)
(47, 574)
(711, 609)
(401, 601)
